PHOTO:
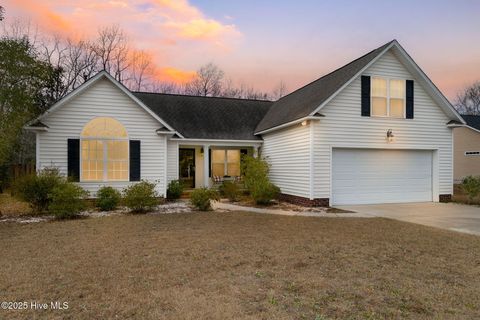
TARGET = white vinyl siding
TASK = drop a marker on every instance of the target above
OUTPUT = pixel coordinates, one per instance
(172, 160)
(368, 176)
(288, 153)
(104, 99)
(343, 126)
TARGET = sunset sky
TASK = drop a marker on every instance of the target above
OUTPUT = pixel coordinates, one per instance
(262, 42)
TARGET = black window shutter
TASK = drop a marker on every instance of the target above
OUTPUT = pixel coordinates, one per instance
(365, 96)
(409, 99)
(209, 162)
(134, 160)
(73, 159)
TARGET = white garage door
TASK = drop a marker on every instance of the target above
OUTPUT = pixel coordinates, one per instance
(366, 176)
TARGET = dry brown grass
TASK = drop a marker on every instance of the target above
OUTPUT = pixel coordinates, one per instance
(240, 266)
(12, 207)
(460, 196)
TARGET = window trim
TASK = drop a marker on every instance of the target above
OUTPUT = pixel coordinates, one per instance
(387, 79)
(225, 161)
(472, 153)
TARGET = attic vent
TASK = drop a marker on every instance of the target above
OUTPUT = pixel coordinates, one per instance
(472, 153)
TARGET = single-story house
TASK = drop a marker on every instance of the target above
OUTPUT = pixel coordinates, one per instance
(467, 149)
(376, 130)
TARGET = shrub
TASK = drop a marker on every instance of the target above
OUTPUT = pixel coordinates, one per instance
(37, 189)
(471, 186)
(255, 171)
(68, 199)
(108, 198)
(200, 198)
(140, 197)
(230, 190)
(174, 189)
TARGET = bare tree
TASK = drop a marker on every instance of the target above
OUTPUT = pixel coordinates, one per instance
(207, 82)
(74, 60)
(279, 91)
(468, 102)
(141, 69)
(165, 87)
(112, 50)
(2, 13)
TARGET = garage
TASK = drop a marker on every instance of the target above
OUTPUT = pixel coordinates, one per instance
(368, 176)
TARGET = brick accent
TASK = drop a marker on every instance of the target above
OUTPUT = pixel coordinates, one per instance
(306, 202)
(445, 198)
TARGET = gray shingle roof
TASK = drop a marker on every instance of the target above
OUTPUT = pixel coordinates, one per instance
(472, 121)
(207, 117)
(305, 100)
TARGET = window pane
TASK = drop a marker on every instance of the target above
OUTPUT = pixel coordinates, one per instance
(233, 169)
(117, 160)
(379, 87)
(397, 89)
(218, 169)
(379, 107)
(396, 108)
(218, 156)
(233, 156)
(92, 160)
(104, 127)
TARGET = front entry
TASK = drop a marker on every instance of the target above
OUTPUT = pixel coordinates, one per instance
(186, 159)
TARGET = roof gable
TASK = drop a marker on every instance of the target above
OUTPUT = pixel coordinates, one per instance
(310, 99)
(88, 84)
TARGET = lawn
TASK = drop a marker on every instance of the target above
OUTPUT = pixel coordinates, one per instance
(239, 265)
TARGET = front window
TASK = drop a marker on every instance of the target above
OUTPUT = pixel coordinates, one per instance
(388, 97)
(104, 151)
(226, 162)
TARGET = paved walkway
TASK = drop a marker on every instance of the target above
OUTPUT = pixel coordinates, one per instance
(233, 207)
(450, 216)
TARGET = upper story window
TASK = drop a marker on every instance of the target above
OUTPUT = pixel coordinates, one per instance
(104, 151)
(388, 97)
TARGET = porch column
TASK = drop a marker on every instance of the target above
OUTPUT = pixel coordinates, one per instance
(255, 151)
(206, 168)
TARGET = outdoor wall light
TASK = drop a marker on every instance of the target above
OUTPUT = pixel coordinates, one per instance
(304, 122)
(390, 135)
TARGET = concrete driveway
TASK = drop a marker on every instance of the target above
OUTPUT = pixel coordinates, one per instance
(450, 216)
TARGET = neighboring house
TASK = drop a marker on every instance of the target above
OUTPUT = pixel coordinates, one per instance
(467, 149)
(374, 131)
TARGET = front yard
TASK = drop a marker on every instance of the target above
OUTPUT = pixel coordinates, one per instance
(239, 265)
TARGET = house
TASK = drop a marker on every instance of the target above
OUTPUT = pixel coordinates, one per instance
(467, 149)
(376, 130)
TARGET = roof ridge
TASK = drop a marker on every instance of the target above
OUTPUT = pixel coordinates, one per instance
(194, 96)
(345, 65)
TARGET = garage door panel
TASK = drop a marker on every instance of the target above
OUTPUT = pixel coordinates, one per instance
(381, 176)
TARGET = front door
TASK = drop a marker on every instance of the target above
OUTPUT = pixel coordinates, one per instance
(187, 167)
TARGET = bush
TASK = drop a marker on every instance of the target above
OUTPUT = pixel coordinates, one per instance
(174, 189)
(255, 171)
(37, 189)
(108, 198)
(471, 186)
(230, 190)
(140, 197)
(200, 198)
(68, 199)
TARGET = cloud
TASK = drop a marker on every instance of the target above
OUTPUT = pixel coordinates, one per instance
(179, 34)
(170, 74)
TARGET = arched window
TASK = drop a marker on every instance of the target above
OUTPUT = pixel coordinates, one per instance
(104, 151)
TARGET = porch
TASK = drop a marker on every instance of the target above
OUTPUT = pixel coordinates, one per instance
(203, 165)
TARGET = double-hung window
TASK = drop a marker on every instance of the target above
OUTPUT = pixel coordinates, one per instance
(388, 97)
(226, 162)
